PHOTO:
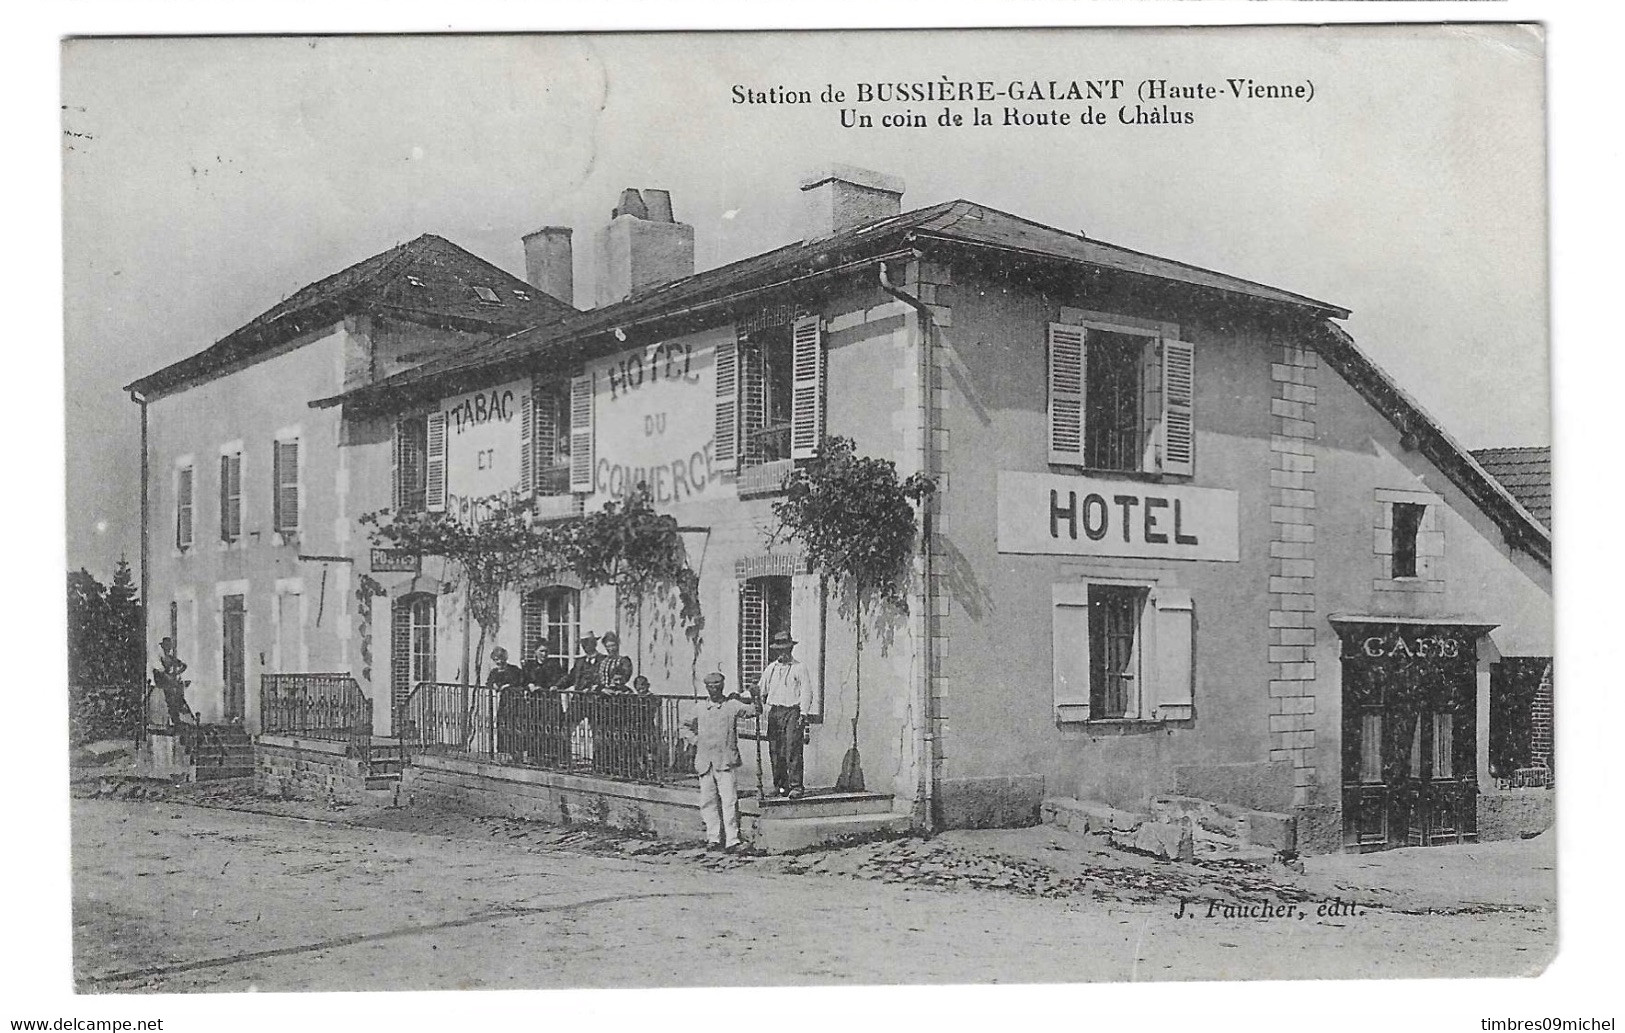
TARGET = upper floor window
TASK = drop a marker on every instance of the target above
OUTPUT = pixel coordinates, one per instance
(770, 394)
(1407, 519)
(231, 496)
(544, 433)
(1121, 398)
(184, 498)
(285, 486)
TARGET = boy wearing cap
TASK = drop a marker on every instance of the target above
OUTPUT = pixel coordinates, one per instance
(787, 688)
(716, 758)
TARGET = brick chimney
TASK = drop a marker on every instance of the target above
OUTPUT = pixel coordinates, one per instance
(643, 245)
(838, 197)
(550, 262)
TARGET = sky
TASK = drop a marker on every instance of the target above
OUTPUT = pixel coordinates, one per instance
(206, 179)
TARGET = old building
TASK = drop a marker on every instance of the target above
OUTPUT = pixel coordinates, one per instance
(1188, 539)
(251, 496)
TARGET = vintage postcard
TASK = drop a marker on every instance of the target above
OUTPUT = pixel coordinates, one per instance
(1044, 506)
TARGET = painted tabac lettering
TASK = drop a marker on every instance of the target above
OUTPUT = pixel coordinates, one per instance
(474, 410)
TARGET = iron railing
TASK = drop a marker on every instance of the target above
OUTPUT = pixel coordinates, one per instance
(767, 444)
(315, 706)
(554, 479)
(627, 736)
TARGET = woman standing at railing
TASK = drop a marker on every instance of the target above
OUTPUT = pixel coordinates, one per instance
(508, 684)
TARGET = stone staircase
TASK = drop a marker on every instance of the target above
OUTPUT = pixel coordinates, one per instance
(386, 763)
(221, 751)
(823, 817)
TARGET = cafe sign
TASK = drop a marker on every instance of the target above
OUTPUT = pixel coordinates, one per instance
(1055, 515)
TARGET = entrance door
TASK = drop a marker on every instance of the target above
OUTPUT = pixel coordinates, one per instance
(233, 674)
(1409, 736)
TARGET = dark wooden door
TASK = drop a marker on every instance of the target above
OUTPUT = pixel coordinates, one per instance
(233, 674)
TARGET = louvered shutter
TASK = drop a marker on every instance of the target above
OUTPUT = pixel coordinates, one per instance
(581, 437)
(1174, 675)
(1067, 363)
(806, 623)
(1070, 650)
(807, 388)
(287, 485)
(397, 470)
(183, 509)
(276, 486)
(434, 462)
(1178, 408)
(527, 459)
(725, 447)
(544, 440)
(225, 498)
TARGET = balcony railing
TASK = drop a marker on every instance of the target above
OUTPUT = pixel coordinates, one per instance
(554, 479)
(767, 444)
(626, 736)
(314, 706)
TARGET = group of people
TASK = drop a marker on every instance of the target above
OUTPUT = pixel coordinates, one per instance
(784, 690)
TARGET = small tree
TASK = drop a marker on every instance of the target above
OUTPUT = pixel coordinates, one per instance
(857, 523)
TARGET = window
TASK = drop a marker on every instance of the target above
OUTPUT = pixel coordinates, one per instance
(1123, 652)
(770, 393)
(487, 295)
(183, 507)
(1407, 523)
(1371, 746)
(231, 496)
(420, 624)
(1444, 745)
(411, 464)
(412, 646)
(549, 617)
(766, 364)
(764, 611)
(545, 441)
(285, 487)
(1121, 398)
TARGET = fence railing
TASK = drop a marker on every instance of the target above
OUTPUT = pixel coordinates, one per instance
(627, 736)
(317, 706)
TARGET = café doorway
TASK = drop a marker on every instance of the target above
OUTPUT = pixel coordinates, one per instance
(1410, 734)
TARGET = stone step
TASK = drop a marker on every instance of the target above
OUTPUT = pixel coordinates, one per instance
(821, 805)
(210, 773)
(383, 782)
(787, 835)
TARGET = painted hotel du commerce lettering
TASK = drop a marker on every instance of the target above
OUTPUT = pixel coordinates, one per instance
(654, 419)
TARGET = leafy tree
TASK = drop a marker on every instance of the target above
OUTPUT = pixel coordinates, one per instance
(106, 625)
(857, 523)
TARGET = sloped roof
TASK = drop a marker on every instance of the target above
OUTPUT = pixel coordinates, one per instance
(950, 222)
(427, 280)
(1526, 472)
(1427, 435)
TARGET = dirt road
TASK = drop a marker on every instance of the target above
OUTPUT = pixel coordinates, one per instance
(175, 897)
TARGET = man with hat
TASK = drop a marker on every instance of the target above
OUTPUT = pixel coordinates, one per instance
(583, 677)
(716, 758)
(788, 690)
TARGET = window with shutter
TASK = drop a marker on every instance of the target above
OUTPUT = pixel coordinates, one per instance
(1122, 652)
(434, 462)
(581, 433)
(1070, 650)
(725, 449)
(807, 407)
(1066, 380)
(183, 508)
(285, 487)
(1178, 408)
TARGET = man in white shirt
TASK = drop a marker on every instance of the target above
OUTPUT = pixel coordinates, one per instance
(788, 691)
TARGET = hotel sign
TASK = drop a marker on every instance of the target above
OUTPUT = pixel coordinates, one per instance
(1054, 515)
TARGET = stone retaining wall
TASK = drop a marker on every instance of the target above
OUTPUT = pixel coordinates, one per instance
(1511, 813)
(289, 766)
(458, 784)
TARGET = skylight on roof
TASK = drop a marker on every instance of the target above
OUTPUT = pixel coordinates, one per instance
(414, 281)
(521, 295)
(487, 295)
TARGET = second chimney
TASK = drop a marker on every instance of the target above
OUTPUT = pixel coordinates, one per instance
(838, 197)
(642, 245)
(550, 263)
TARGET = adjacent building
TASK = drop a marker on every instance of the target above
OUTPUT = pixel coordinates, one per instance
(1188, 538)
